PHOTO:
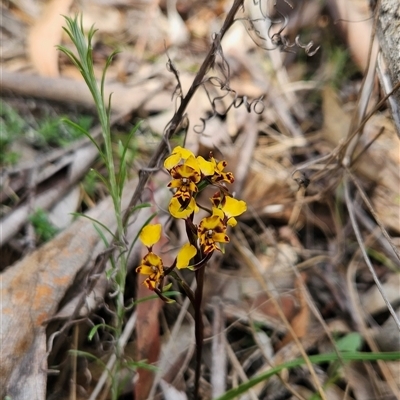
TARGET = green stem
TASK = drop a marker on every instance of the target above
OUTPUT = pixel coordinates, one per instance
(84, 62)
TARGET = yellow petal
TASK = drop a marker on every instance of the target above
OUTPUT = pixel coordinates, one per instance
(221, 165)
(175, 208)
(192, 162)
(178, 153)
(232, 222)
(175, 183)
(185, 153)
(150, 284)
(206, 167)
(218, 212)
(209, 223)
(220, 237)
(154, 260)
(171, 161)
(150, 234)
(187, 171)
(144, 270)
(186, 253)
(234, 207)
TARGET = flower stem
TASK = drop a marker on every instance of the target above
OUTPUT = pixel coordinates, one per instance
(198, 321)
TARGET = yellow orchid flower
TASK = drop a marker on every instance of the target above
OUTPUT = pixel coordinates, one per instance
(186, 177)
(151, 265)
(230, 207)
(150, 235)
(211, 231)
(186, 253)
(219, 174)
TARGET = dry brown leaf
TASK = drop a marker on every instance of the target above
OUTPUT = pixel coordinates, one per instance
(300, 323)
(267, 190)
(45, 34)
(77, 167)
(147, 332)
(287, 303)
(148, 341)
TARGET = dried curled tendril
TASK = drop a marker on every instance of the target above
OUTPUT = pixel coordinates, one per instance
(277, 39)
(255, 105)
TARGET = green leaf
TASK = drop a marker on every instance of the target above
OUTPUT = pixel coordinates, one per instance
(350, 342)
(167, 287)
(96, 222)
(154, 296)
(102, 236)
(102, 178)
(83, 131)
(122, 171)
(133, 365)
(94, 330)
(87, 355)
(69, 54)
(103, 76)
(94, 358)
(139, 206)
(44, 229)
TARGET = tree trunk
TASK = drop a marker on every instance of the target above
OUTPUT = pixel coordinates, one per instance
(389, 38)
